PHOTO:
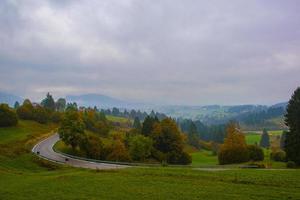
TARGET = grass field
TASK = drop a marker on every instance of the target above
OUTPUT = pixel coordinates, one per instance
(204, 158)
(254, 137)
(117, 119)
(23, 130)
(24, 176)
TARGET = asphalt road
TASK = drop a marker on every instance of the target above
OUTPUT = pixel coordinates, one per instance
(45, 150)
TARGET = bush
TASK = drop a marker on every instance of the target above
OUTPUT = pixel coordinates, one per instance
(7, 116)
(255, 153)
(291, 164)
(233, 155)
(181, 157)
(278, 155)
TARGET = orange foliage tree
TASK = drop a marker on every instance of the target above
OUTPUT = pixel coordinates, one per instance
(234, 149)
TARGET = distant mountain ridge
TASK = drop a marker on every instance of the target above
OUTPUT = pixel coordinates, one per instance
(250, 116)
(99, 100)
(10, 99)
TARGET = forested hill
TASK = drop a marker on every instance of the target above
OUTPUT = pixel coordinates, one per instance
(250, 117)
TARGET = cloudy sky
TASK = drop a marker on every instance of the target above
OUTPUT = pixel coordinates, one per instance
(190, 52)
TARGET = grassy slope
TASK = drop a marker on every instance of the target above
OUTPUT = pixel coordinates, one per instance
(22, 130)
(23, 176)
(117, 119)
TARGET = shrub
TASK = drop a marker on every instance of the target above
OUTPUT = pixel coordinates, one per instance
(233, 155)
(7, 116)
(291, 164)
(278, 155)
(255, 153)
(181, 157)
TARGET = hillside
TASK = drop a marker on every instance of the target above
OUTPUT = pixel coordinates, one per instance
(24, 176)
(251, 117)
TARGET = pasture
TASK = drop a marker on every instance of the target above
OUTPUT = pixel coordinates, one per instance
(24, 176)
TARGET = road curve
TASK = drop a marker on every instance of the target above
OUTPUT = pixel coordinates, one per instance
(44, 149)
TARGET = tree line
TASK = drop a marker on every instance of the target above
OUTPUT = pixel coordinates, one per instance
(152, 140)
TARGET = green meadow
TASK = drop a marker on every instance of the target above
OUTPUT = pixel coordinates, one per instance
(24, 176)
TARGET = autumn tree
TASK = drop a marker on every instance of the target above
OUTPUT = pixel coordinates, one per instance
(234, 149)
(169, 141)
(8, 117)
(95, 121)
(140, 147)
(71, 130)
(265, 139)
(92, 145)
(292, 120)
(26, 110)
(118, 151)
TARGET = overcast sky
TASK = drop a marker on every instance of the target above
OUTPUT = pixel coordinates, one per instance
(192, 52)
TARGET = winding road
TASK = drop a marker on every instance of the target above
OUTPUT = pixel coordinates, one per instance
(44, 149)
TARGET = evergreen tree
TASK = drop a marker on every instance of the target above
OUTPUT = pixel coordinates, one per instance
(148, 125)
(48, 102)
(265, 139)
(115, 112)
(137, 123)
(71, 107)
(60, 104)
(193, 137)
(17, 105)
(292, 120)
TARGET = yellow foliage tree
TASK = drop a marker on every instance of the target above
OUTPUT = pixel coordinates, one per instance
(234, 149)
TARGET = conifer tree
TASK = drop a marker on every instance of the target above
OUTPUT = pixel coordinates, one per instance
(265, 139)
(292, 120)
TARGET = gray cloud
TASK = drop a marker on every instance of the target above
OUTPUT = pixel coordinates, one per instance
(176, 52)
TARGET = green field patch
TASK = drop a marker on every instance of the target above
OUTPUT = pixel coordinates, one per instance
(204, 158)
(117, 119)
(24, 129)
